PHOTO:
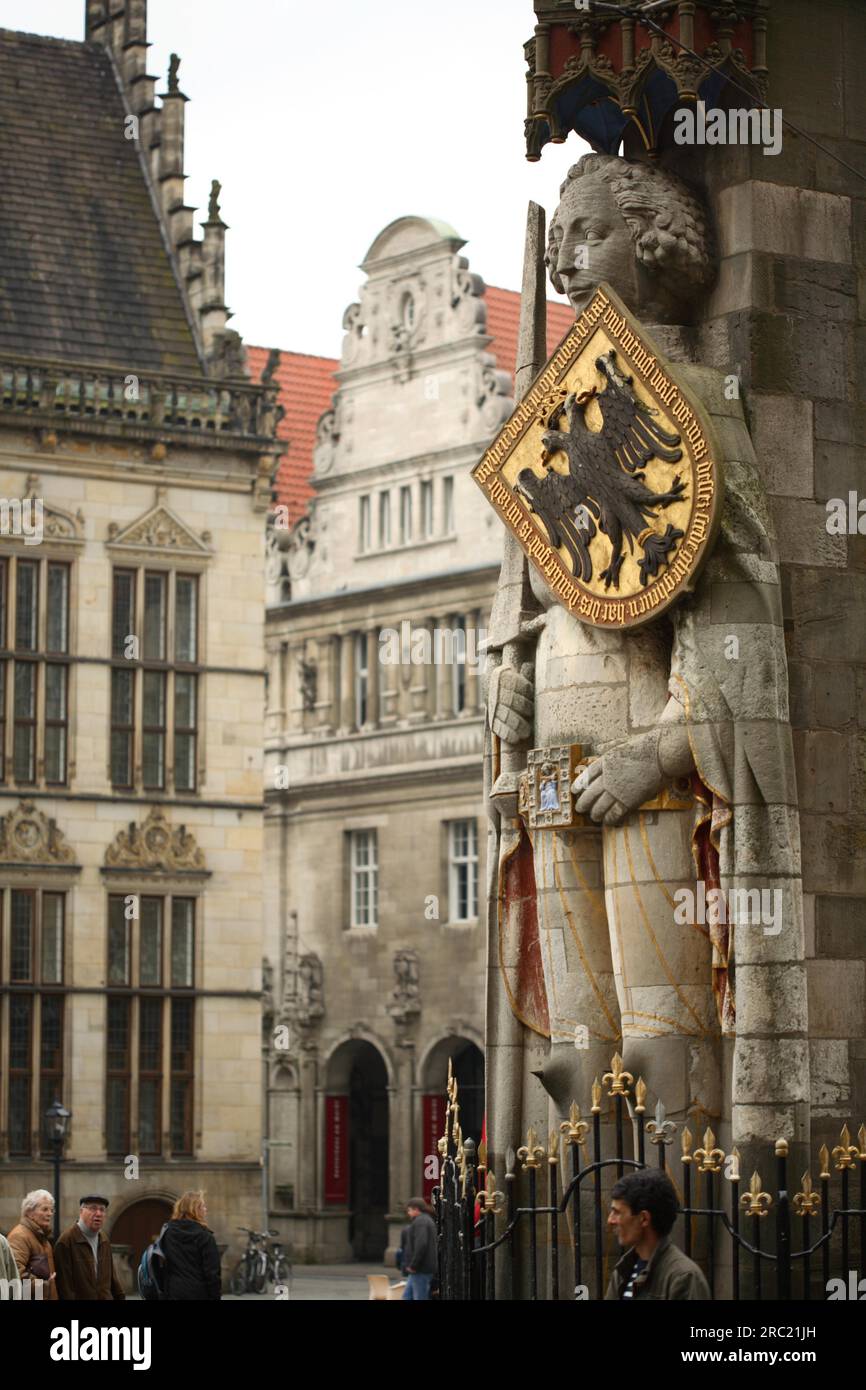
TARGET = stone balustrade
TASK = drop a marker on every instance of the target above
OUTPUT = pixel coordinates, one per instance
(144, 405)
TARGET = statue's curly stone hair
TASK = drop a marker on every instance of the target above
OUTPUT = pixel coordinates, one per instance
(670, 225)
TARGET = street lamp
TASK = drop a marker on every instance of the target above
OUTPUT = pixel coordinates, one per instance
(57, 1120)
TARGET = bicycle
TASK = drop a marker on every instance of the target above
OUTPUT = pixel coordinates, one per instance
(251, 1272)
(279, 1266)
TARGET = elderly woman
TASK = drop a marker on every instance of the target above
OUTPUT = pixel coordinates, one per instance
(30, 1244)
(8, 1267)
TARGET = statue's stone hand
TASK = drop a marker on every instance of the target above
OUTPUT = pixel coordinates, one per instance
(625, 777)
(510, 703)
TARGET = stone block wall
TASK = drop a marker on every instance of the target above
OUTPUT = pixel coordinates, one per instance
(788, 318)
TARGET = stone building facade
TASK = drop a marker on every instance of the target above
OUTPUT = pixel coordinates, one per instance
(134, 467)
(374, 821)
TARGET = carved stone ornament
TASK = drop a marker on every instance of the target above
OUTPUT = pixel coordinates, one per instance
(405, 1005)
(268, 1006)
(304, 1004)
(35, 518)
(160, 529)
(327, 438)
(155, 845)
(27, 836)
(309, 683)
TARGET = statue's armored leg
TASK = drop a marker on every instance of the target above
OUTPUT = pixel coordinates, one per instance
(576, 959)
(663, 968)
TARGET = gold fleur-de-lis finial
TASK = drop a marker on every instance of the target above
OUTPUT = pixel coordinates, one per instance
(553, 1147)
(574, 1128)
(686, 1141)
(756, 1202)
(596, 1097)
(709, 1158)
(845, 1152)
(824, 1160)
(489, 1199)
(482, 1154)
(531, 1153)
(806, 1202)
(732, 1167)
(861, 1140)
(661, 1130)
(617, 1077)
(639, 1096)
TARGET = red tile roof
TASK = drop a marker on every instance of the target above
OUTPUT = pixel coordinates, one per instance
(307, 385)
(503, 316)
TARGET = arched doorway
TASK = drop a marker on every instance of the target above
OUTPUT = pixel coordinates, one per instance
(356, 1144)
(467, 1063)
(139, 1224)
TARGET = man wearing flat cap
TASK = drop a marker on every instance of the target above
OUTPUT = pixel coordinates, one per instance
(82, 1256)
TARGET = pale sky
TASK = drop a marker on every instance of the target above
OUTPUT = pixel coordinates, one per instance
(325, 122)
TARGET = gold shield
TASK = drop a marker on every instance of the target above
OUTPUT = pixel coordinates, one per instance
(607, 472)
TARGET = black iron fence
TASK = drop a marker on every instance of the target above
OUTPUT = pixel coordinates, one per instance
(550, 1216)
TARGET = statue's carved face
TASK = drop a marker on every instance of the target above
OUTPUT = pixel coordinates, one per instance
(595, 243)
(638, 228)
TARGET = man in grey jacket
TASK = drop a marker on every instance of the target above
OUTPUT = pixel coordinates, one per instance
(643, 1209)
(420, 1260)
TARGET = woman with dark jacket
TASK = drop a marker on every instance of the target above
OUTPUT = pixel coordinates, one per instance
(192, 1261)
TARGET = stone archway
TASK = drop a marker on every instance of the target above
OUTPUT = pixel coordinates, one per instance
(356, 1144)
(467, 1062)
(139, 1224)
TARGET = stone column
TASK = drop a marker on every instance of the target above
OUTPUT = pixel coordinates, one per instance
(421, 684)
(373, 677)
(309, 1134)
(445, 675)
(404, 1175)
(472, 684)
(347, 683)
(325, 684)
(390, 690)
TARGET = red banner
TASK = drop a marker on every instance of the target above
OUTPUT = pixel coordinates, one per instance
(337, 1150)
(434, 1127)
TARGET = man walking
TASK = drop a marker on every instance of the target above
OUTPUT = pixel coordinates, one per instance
(82, 1255)
(419, 1251)
(643, 1209)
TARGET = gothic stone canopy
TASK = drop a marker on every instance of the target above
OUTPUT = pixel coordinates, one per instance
(611, 79)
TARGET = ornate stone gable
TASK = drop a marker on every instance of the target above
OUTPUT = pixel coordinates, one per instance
(28, 836)
(160, 530)
(156, 846)
(34, 515)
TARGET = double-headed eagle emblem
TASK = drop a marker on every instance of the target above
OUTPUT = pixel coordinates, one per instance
(604, 488)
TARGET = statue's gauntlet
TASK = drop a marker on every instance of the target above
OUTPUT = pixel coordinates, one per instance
(634, 772)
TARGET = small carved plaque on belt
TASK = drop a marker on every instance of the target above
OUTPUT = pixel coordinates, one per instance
(545, 800)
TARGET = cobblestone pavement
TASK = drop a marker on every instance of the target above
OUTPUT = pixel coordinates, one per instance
(323, 1283)
(331, 1283)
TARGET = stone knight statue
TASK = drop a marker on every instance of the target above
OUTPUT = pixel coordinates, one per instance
(589, 952)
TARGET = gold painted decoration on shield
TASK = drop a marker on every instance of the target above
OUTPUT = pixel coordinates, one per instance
(607, 473)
